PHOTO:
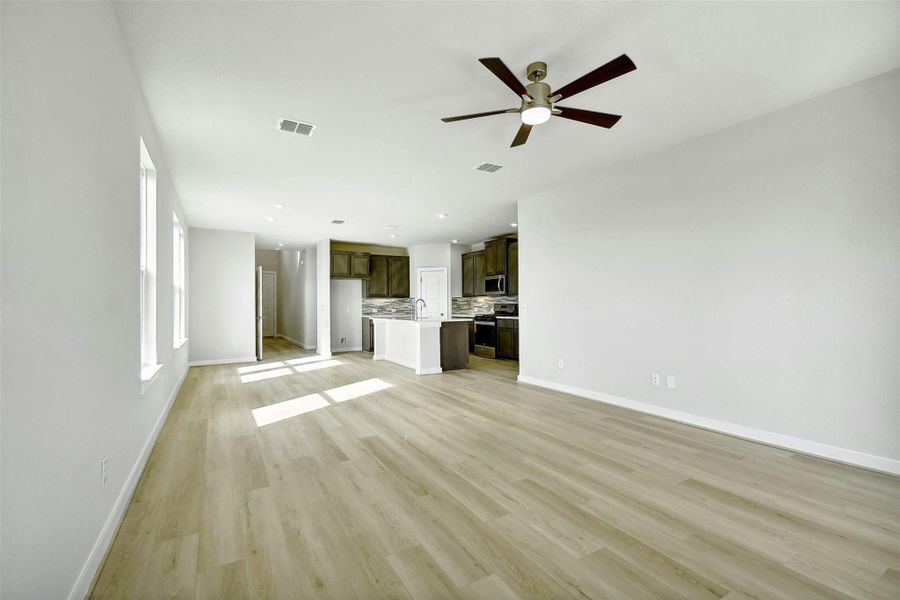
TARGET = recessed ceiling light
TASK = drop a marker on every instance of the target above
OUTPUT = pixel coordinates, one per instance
(337, 221)
(513, 224)
(393, 235)
(442, 215)
(270, 218)
(278, 205)
(280, 244)
(454, 241)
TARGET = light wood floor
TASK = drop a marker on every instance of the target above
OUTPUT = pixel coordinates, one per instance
(468, 485)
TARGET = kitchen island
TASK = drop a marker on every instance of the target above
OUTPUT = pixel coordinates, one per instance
(426, 346)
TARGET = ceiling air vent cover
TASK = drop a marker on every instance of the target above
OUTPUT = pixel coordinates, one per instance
(300, 127)
(488, 167)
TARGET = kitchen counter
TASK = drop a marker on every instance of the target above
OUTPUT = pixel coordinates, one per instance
(419, 345)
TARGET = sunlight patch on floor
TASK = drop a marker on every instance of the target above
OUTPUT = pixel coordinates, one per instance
(251, 377)
(355, 390)
(273, 413)
(260, 367)
(317, 365)
(305, 360)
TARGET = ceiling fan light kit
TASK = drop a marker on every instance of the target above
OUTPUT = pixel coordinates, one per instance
(539, 100)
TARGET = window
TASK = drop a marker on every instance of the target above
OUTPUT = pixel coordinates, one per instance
(149, 368)
(180, 333)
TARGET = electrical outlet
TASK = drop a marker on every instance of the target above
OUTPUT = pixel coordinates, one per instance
(654, 379)
(343, 341)
(670, 382)
(560, 363)
(104, 469)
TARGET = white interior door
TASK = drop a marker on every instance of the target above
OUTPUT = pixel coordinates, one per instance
(433, 289)
(259, 319)
(268, 303)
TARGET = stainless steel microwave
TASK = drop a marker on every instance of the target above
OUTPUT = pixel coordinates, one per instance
(495, 285)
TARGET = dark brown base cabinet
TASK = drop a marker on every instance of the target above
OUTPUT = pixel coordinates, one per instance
(508, 338)
(388, 277)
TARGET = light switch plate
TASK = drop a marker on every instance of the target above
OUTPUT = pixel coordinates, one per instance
(670, 382)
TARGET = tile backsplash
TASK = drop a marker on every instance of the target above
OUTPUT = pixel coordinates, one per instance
(479, 305)
(401, 307)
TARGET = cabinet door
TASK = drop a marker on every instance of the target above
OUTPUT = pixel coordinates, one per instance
(506, 343)
(359, 265)
(340, 264)
(495, 258)
(399, 277)
(516, 342)
(479, 273)
(377, 284)
(490, 259)
(512, 280)
(468, 275)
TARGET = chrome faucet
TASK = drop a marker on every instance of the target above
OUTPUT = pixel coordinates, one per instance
(416, 312)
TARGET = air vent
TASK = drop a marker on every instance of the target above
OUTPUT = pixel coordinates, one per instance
(300, 127)
(337, 222)
(488, 167)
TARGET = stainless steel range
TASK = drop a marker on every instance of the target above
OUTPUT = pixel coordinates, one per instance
(486, 328)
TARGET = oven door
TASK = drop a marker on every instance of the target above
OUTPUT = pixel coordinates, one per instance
(486, 339)
(495, 285)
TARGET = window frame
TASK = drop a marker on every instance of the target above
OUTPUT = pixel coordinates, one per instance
(149, 367)
(179, 291)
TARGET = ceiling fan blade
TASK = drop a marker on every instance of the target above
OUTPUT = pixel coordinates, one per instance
(522, 136)
(588, 116)
(611, 70)
(496, 66)
(476, 115)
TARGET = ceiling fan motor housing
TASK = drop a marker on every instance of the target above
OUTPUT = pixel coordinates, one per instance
(539, 93)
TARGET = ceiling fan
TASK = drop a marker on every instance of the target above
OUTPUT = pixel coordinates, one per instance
(539, 103)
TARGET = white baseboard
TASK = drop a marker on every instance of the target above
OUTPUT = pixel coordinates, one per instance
(94, 560)
(297, 342)
(431, 371)
(221, 361)
(350, 349)
(842, 455)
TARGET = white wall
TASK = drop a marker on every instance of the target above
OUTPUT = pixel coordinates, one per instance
(759, 265)
(70, 294)
(269, 260)
(456, 252)
(346, 314)
(222, 291)
(323, 297)
(290, 294)
(426, 255)
(309, 308)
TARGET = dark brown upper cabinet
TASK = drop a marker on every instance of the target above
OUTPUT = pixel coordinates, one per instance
(399, 276)
(348, 265)
(473, 273)
(377, 283)
(388, 277)
(340, 264)
(512, 279)
(479, 273)
(359, 266)
(495, 257)
(468, 274)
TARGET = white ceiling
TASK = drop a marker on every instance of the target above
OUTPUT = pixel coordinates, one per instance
(376, 78)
